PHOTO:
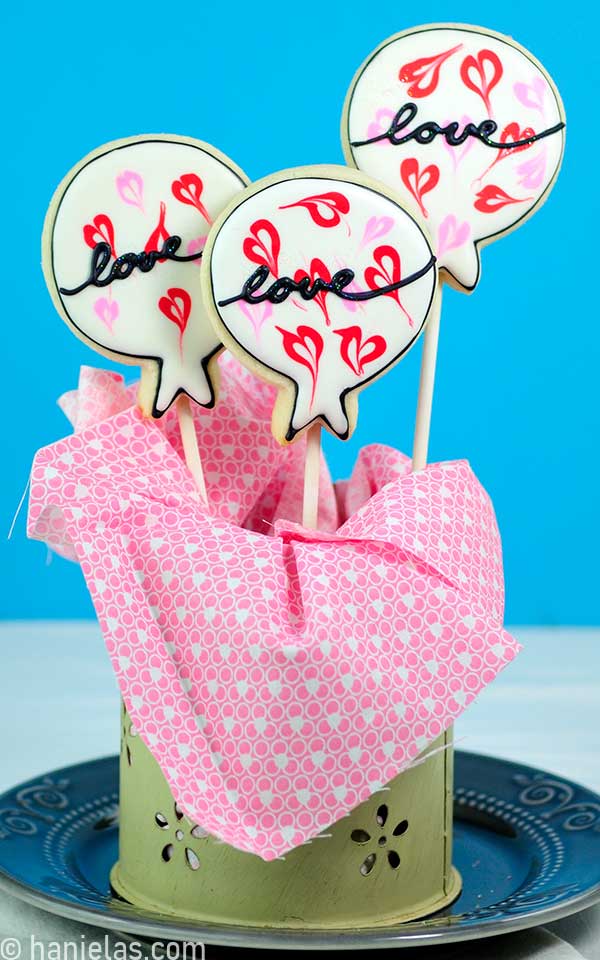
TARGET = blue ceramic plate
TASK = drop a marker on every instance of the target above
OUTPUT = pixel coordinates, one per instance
(527, 844)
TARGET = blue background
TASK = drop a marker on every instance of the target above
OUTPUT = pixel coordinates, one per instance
(517, 373)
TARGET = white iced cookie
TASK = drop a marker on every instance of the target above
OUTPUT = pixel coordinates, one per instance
(121, 250)
(318, 280)
(465, 126)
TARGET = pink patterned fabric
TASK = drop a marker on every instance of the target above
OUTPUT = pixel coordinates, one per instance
(279, 677)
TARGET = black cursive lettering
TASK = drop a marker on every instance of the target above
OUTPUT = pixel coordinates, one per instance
(428, 131)
(282, 287)
(123, 266)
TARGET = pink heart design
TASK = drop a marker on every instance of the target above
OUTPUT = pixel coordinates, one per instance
(532, 171)
(380, 124)
(196, 246)
(376, 227)
(458, 154)
(451, 234)
(107, 311)
(531, 94)
(130, 188)
(257, 314)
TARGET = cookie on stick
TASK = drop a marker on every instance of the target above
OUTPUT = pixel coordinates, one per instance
(319, 280)
(467, 128)
(121, 251)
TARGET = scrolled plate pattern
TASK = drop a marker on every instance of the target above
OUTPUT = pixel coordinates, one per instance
(527, 844)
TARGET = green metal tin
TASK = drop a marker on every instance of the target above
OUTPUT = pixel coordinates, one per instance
(388, 861)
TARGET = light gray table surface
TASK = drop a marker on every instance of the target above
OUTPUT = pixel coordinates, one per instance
(59, 705)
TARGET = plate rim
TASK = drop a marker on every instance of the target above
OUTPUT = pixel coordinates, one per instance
(413, 934)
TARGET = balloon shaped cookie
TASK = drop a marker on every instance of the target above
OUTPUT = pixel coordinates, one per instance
(122, 245)
(319, 280)
(465, 126)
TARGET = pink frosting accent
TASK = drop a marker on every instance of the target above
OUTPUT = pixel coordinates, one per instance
(107, 310)
(375, 228)
(130, 187)
(257, 314)
(451, 234)
(532, 94)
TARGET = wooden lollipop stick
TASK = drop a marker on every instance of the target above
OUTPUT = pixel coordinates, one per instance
(427, 383)
(312, 470)
(189, 440)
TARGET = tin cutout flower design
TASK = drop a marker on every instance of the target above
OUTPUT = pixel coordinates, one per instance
(168, 851)
(383, 841)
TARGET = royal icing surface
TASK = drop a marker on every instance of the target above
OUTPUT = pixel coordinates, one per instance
(465, 126)
(122, 248)
(322, 281)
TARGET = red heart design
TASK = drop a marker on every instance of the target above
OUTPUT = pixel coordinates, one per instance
(483, 84)
(424, 74)
(317, 269)
(324, 208)
(100, 230)
(176, 307)
(419, 182)
(188, 189)
(356, 352)
(390, 271)
(512, 133)
(305, 346)
(493, 198)
(159, 234)
(263, 252)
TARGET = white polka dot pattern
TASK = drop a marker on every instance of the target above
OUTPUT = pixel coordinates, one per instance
(279, 679)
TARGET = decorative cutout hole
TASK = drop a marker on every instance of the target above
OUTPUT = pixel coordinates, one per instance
(382, 815)
(167, 852)
(382, 841)
(198, 832)
(178, 811)
(179, 834)
(401, 828)
(128, 755)
(161, 821)
(393, 860)
(368, 864)
(191, 858)
(360, 836)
